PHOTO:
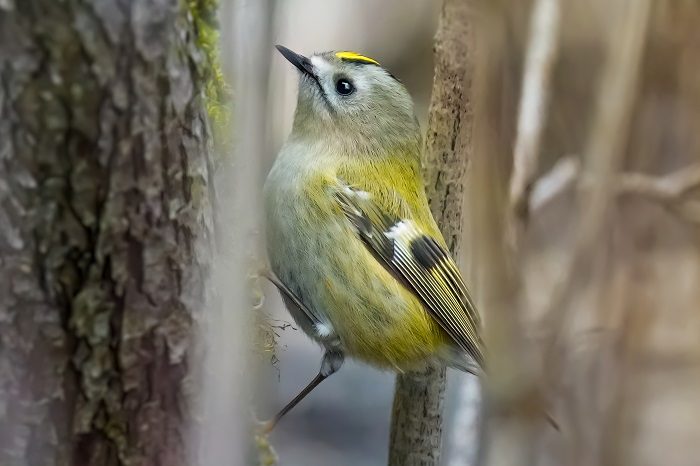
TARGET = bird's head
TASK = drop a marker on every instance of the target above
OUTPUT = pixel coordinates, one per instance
(350, 97)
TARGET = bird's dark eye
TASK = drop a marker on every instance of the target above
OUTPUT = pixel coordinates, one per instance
(344, 87)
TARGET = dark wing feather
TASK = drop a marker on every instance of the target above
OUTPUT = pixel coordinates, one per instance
(421, 263)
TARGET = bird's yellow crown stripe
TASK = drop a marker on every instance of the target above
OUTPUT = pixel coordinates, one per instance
(352, 56)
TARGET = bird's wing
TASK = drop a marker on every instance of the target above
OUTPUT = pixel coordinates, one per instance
(418, 259)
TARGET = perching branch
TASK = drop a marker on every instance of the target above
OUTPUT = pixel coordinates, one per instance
(416, 433)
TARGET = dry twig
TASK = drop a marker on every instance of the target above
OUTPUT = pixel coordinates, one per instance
(669, 189)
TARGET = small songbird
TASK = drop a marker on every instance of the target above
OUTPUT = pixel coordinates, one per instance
(353, 248)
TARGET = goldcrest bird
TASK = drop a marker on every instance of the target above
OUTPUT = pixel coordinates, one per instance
(353, 248)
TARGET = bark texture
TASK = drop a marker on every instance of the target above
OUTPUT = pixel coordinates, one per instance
(417, 417)
(104, 213)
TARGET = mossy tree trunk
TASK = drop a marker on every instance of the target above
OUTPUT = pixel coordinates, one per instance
(416, 433)
(104, 215)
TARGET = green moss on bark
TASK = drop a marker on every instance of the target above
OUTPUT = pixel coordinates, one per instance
(218, 93)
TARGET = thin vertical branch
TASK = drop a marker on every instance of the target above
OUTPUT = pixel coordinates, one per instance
(417, 417)
(416, 424)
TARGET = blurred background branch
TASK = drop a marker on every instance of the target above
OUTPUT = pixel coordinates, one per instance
(603, 271)
(228, 374)
(675, 190)
(532, 114)
(602, 161)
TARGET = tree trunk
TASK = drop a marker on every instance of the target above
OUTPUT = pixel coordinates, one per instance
(416, 432)
(104, 208)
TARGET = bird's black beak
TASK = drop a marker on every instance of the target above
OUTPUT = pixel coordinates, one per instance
(301, 62)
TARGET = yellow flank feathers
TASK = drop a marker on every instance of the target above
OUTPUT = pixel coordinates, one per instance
(352, 56)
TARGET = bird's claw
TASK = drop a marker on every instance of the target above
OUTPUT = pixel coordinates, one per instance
(263, 428)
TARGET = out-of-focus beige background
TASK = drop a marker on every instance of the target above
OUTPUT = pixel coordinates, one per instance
(346, 420)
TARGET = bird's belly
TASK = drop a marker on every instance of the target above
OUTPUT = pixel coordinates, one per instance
(375, 318)
(383, 325)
